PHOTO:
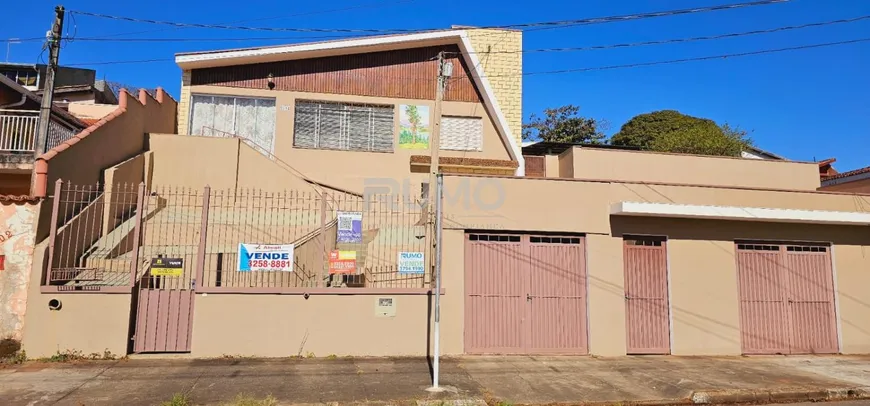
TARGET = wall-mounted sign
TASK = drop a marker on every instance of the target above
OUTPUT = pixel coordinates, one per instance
(167, 266)
(349, 227)
(411, 263)
(262, 257)
(385, 307)
(413, 127)
(343, 262)
(2, 262)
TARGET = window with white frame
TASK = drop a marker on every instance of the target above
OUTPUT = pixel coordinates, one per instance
(462, 133)
(228, 116)
(343, 126)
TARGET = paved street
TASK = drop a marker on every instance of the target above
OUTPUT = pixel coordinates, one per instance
(471, 380)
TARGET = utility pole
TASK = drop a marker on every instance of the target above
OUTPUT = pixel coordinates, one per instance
(48, 90)
(435, 210)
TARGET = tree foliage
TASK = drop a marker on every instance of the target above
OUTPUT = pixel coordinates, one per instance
(564, 124)
(672, 131)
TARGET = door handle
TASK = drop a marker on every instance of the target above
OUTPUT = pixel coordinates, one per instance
(528, 297)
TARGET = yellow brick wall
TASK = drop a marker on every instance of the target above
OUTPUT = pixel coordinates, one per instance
(184, 102)
(499, 52)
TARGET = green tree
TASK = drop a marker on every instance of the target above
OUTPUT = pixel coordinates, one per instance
(564, 124)
(672, 131)
(414, 119)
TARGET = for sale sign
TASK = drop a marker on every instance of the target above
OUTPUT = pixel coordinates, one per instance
(343, 262)
(261, 257)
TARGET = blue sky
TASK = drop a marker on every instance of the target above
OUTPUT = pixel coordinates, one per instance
(806, 105)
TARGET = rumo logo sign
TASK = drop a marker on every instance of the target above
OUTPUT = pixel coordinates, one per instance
(479, 193)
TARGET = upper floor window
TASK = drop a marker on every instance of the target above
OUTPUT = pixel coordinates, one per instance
(462, 133)
(227, 116)
(344, 126)
(24, 77)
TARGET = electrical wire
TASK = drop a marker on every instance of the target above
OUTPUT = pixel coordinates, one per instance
(315, 12)
(703, 58)
(681, 40)
(585, 21)
(586, 69)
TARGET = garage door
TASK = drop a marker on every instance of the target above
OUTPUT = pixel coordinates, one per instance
(525, 294)
(786, 299)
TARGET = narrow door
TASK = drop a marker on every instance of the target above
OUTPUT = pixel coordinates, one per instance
(811, 299)
(496, 271)
(557, 295)
(646, 296)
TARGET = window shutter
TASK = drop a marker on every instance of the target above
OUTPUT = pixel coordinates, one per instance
(342, 126)
(462, 133)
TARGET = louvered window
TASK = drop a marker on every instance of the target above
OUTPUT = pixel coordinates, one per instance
(461, 133)
(227, 116)
(343, 126)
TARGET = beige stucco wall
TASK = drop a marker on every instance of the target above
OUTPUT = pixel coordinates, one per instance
(284, 325)
(703, 282)
(17, 231)
(86, 322)
(350, 169)
(858, 186)
(591, 163)
(91, 110)
(221, 163)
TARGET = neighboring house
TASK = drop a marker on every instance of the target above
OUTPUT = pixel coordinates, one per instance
(32, 76)
(758, 153)
(856, 181)
(98, 92)
(19, 119)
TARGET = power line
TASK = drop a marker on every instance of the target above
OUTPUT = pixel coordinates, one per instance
(564, 49)
(703, 58)
(587, 69)
(544, 24)
(681, 40)
(315, 12)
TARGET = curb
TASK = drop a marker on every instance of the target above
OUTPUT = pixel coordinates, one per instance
(778, 395)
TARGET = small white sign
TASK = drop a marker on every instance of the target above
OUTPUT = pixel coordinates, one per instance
(411, 263)
(262, 257)
(385, 307)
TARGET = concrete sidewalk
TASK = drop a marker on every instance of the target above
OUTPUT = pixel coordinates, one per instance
(505, 380)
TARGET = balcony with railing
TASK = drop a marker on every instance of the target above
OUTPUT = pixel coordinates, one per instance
(18, 133)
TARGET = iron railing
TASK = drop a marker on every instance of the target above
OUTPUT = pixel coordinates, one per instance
(18, 131)
(109, 238)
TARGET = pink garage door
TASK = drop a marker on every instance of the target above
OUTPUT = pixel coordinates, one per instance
(525, 294)
(646, 296)
(786, 299)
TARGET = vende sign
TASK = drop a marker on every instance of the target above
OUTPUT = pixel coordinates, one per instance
(260, 257)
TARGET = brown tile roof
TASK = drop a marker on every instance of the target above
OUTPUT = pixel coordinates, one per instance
(850, 173)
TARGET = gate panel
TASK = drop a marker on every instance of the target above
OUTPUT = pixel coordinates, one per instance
(763, 318)
(557, 295)
(811, 300)
(495, 271)
(646, 296)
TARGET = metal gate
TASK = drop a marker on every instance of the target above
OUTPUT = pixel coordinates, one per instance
(647, 316)
(525, 294)
(786, 299)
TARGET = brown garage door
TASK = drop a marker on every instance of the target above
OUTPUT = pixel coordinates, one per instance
(525, 294)
(646, 296)
(786, 299)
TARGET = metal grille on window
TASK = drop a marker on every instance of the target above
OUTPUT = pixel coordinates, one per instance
(462, 133)
(351, 127)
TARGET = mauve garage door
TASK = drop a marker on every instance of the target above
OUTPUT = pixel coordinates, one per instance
(525, 294)
(786, 299)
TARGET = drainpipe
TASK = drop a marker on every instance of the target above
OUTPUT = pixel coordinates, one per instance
(23, 99)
